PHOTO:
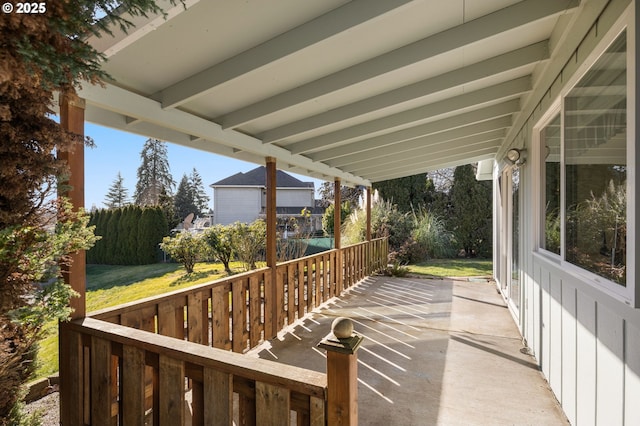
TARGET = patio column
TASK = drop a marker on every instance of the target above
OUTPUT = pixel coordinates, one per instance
(72, 119)
(368, 213)
(368, 250)
(337, 204)
(337, 222)
(271, 317)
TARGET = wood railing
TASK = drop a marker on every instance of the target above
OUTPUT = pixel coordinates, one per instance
(231, 314)
(108, 366)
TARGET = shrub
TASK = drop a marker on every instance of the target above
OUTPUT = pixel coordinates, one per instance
(287, 247)
(249, 241)
(329, 215)
(430, 235)
(396, 269)
(186, 248)
(386, 221)
(219, 238)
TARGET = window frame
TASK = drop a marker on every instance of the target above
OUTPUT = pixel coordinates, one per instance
(539, 160)
(626, 293)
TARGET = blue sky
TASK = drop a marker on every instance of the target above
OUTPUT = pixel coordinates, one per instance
(118, 151)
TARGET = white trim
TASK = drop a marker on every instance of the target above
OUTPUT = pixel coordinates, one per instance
(538, 184)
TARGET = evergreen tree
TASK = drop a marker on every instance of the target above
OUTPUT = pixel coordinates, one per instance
(471, 213)
(408, 193)
(200, 198)
(118, 195)
(168, 208)
(42, 54)
(154, 174)
(151, 230)
(114, 237)
(184, 199)
(128, 236)
(97, 251)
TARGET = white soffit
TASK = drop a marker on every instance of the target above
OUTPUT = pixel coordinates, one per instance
(330, 89)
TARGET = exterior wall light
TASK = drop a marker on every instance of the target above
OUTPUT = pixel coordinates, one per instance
(516, 156)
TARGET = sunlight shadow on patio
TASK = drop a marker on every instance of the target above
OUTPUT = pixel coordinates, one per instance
(401, 360)
(432, 354)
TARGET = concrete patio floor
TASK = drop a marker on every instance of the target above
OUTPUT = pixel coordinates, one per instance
(435, 352)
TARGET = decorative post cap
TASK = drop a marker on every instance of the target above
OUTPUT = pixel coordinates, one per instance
(342, 338)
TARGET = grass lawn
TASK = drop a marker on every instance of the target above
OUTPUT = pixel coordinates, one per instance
(113, 285)
(453, 268)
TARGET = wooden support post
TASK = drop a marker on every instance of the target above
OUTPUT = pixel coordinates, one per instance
(72, 372)
(342, 372)
(271, 315)
(337, 224)
(72, 120)
(368, 250)
(337, 204)
(369, 213)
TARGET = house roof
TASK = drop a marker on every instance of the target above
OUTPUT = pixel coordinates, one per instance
(361, 90)
(258, 177)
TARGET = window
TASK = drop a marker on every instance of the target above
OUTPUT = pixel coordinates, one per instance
(550, 196)
(583, 153)
(595, 161)
(514, 283)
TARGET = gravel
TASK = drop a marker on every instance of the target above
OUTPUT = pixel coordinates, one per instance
(49, 408)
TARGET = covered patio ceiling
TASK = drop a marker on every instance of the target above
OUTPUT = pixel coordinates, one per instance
(361, 90)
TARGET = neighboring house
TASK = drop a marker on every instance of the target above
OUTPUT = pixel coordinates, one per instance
(242, 198)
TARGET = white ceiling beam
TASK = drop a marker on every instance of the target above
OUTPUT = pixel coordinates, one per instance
(128, 104)
(489, 147)
(505, 19)
(422, 167)
(465, 119)
(455, 147)
(458, 77)
(432, 143)
(431, 166)
(325, 26)
(580, 23)
(477, 99)
(109, 45)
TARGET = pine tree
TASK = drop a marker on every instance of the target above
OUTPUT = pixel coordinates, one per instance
(168, 208)
(200, 198)
(42, 55)
(184, 199)
(154, 174)
(471, 215)
(118, 195)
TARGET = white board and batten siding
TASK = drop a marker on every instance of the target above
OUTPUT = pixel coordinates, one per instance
(586, 341)
(589, 349)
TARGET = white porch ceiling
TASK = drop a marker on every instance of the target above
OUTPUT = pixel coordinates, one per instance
(362, 90)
